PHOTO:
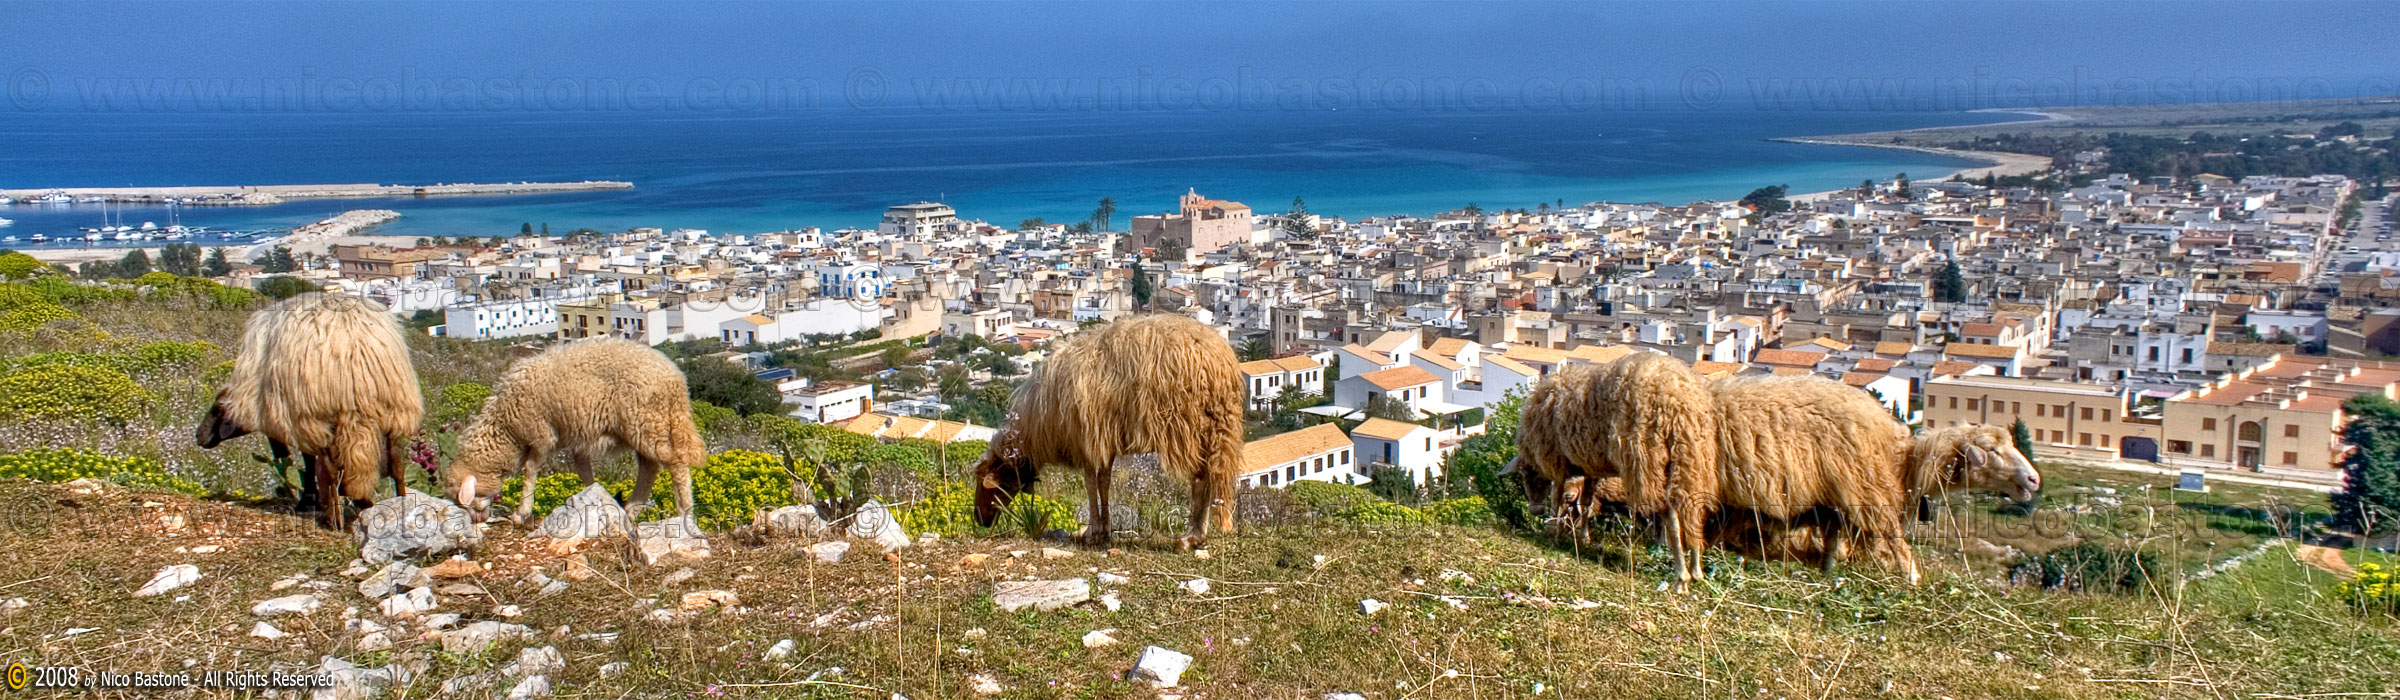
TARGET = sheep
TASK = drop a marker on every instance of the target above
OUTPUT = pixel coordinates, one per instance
(1160, 384)
(327, 375)
(1792, 444)
(588, 398)
(1586, 430)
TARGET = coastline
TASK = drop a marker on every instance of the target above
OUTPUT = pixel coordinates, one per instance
(257, 195)
(1995, 163)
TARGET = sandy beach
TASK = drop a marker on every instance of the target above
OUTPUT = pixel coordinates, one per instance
(320, 246)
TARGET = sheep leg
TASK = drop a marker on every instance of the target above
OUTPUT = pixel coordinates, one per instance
(396, 461)
(583, 467)
(1195, 531)
(683, 491)
(531, 469)
(1096, 533)
(645, 473)
(328, 495)
(1836, 538)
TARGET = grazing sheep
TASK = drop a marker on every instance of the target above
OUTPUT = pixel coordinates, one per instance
(327, 375)
(1791, 444)
(588, 398)
(1160, 384)
(1589, 431)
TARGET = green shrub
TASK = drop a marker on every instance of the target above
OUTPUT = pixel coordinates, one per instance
(949, 509)
(549, 491)
(2086, 566)
(713, 418)
(1469, 511)
(72, 392)
(17, 266)
(68, 465)
(27, 317)
(458, 402)
(169, 354)
(1347, 503)
(735, 484)
(2370, 590)
(64, 291)
(963, 455)
(15, 295)
(155, 279)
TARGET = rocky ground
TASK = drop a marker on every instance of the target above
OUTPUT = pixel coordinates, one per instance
(105, 578)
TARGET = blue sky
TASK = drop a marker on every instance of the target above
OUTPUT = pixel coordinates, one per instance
(2347, 45)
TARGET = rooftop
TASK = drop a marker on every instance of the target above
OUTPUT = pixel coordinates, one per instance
(1276, 450)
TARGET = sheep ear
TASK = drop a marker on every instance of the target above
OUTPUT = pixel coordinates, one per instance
(1976, 457)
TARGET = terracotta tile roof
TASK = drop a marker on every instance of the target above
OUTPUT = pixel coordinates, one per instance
(1400, 377)
(1600, 354)
(1535, 353)
(1949, 368)
(1385, 428)
(1877, 365)
(1717, 370)
(1793, 371)
(1277, 450)
(1257, 367)
(1861, 379)
(1788, 358)
(2250, 349)
(1502, 361)
(1996, 352)
(1827, 343)
(1297, 362)
(1980, 329)
(1388, 342)
(1437, 360)
(1894, 348)
(1449, 347)
(1378, 358)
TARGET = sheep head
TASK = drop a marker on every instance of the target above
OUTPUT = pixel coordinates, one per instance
(1001, 475)
(475, 477)
(215, 428)
(1985, 457)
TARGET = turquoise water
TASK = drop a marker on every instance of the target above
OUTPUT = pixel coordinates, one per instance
(775, 172)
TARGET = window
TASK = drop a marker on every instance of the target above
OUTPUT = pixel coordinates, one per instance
(2041, 410)
(2181, 447)
(2084, 439)
(1953, 402)
(2108, 414)
(2208, 424)
(2208, 450)
(2292, 430)
(2087, 413)
(2291, 458)
(2016, 407)
(1974, 404)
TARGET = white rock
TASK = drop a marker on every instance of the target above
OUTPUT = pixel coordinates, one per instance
(416, 601)
(414, 525)
(207, 549)
(780, 650)
(1109, 600)
(1198, 586)
(1109, 579)
(392, 578)
(13, 606)
(439, 621)
(262, 630)
(1055, 553)
(1011, 596)
(680, 576)
(531, 687)
(874, 522)
(1098, 638)
(589, 514)
(614, 668)
(797, 521)
(1317, 562)
(1355, 696)
(1160, 667)
(287, 582)
(984, 684)
(349, 682)
(301, 604)
(86, 486)
(374, 641)
(829, 552)
(509, 611)
(532, 661)
(477, 636)
(168, 579)
(1371, 606)
(663, 541)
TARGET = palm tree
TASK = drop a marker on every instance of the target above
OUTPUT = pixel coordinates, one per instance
(1106, 212)
(1254, 349)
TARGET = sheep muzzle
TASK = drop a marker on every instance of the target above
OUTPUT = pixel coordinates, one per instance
(215, 429)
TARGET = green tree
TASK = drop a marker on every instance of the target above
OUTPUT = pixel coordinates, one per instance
(953, 384)
(1388, 408)
(1255, 348)
(1171, 248)
(1948, 284)
(1031, 224)
(1480, 460)
(1768, 200)
(1900, 186)
(286, 287)
(1141, 285)
(216, 266)
(729, 385)
(2023, 436)
(1295, 222)
(1104, 214)
(895, 356)
(180, 259)
(545, 229)
(2369, 502)
(526, 230)
(278, 259)
(134, 264)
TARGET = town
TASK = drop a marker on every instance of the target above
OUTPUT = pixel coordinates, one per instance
(2204, 325)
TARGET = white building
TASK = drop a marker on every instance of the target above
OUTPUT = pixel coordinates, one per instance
(831, 401)
(1266, 379)
(1316, 453)
(919, 219)
(850, 281)
(1411, 385)
(503, 319)
(1413, 448)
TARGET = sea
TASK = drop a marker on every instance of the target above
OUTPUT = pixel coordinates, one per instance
(753, 173)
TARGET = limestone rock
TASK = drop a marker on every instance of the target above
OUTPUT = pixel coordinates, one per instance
(614, 668)
(413, 525)
(1160, 667)
(664, 541)
(1371, 606)
(288, 605)
(984, 684)
(476, 637)
(416, 601)
(874, 523)
(1012, 596)
(454, 569)
(589, 514)
(168, 579)
(531, 687)
(393, 577)
(1109, 579)
(1098, 638)
(680, 576)
(797, 521)
(701, 600)
(13, 606)
(265, 631)
(1055, 553)
(829, 552)
(780, 650)
(1198, 586)
(532, 661)
(349, 682)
